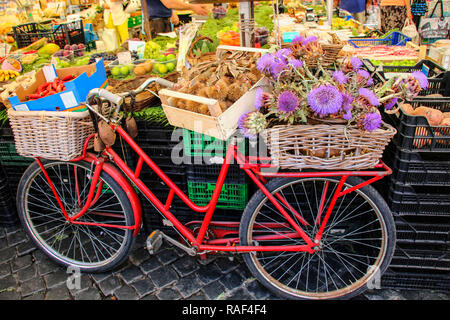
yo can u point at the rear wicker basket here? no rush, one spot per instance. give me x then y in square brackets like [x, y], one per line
[326, 147]
[50, 135]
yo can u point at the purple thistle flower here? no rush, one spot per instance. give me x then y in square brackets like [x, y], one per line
[298, 40]
[252, 123]
[356, 63]
[348, 115]
[282, 54]
[309, 40]
[347, 101]
[362, 75]
[276, 67]
[372, 121]
[287, 101]
[325, 100]
[297, 64]
[370, 82]
[265, 63]
[258, 98]
[421, 78]
[370, 96]
[340, 77]
[390, 103]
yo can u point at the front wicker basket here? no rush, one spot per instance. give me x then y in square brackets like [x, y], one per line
[50, 134]
[326, 147]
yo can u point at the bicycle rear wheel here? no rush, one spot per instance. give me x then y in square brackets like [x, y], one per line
[356, 247]
[89, 247]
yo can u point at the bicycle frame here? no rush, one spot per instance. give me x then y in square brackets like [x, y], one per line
[252, 167]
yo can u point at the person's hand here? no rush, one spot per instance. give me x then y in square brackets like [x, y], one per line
[174, 19]
[200, 9]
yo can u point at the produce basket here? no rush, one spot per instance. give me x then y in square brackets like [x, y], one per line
[393, 39]
[326, 147]
[50, 135]
[205, 57]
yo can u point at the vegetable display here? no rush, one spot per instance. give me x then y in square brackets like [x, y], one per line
[49, 88]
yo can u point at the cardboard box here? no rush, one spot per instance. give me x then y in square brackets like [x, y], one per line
[87, 78]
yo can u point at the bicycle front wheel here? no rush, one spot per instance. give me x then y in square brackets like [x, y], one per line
[356, 247]
[93, 246]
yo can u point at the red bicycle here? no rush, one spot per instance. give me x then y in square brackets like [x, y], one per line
[313, 235]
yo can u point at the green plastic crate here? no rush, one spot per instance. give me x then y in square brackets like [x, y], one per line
[197, 144]
[10, 157]
[134, 21]
[232, 196]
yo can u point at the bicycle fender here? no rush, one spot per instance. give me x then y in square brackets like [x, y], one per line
[120, 178]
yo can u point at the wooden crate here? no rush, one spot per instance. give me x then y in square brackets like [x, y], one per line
[218, 125]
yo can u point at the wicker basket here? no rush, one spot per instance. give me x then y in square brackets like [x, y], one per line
[206, 57]
[49, 134]
[326, 147]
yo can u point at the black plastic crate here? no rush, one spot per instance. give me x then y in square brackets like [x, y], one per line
[62, 34]
[421, 256]
[210, 173]
[434, 69]
[406, 199]
[407, 279]
[416, 134]
[148, 132]
[423, 230]
[421, 168]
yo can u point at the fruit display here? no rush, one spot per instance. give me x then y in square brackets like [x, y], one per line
[6, 75]
[219, 12]
[122, 71]
[261, 36]
[29, 58]
[339, 24]
[143, 68]
[48, 50]
[152, 50]
[74, 50]
[229, 36]
[164, 63]
[24, 80]
[11, 64]
[104, 55]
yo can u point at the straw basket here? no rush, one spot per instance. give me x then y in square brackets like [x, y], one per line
[205, 57]
[326, 147]
[50, 134]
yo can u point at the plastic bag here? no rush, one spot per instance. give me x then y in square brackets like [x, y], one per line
[410, 30]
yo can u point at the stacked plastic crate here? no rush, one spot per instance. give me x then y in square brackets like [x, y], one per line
[163, 144]
[12, 166]
[418, 195]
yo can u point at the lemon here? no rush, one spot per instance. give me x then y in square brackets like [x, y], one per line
[162, 68]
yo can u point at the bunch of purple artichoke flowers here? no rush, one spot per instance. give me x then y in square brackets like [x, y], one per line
[349, 92]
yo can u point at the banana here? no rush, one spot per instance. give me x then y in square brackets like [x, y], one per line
[7, 77]
[2, 77]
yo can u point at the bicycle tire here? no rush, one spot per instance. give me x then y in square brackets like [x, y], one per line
[89, 245]
[268, 270]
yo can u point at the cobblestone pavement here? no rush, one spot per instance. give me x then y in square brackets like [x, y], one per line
[26, 273]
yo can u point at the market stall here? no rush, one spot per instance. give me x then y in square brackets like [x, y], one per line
[356, 117]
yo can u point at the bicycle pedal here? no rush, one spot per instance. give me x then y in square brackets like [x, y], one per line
[154, 241]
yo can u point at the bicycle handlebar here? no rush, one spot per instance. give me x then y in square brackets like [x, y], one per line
[117, 99]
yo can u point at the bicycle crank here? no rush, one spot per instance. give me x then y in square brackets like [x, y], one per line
[154, 242]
